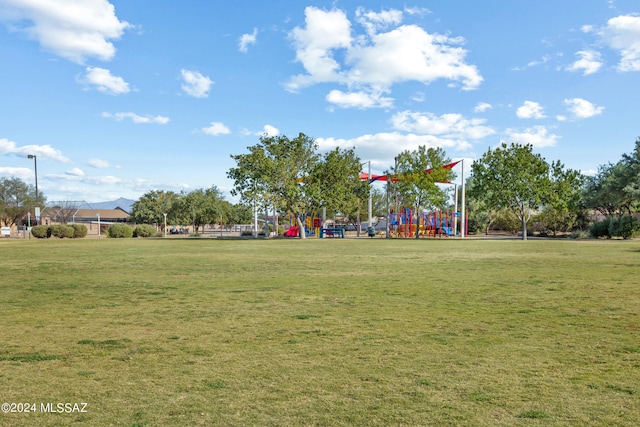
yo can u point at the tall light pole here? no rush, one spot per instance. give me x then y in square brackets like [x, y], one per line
[463, 222]
[370, 209]
[165, 224]
[35, 166]
[369, 187]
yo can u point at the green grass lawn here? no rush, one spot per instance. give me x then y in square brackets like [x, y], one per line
[336, 332]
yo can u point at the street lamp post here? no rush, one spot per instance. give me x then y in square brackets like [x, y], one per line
[35, 167]
[463, 228]
[370, 209]
[369, 188]
[165, 224]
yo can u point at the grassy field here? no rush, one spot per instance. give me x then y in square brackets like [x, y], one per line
[340, 332]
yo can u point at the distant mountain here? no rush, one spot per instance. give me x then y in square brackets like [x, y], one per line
[121, 203]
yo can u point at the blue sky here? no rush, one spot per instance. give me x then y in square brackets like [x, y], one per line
[117, 98]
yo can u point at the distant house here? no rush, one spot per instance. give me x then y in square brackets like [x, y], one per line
[57, 215]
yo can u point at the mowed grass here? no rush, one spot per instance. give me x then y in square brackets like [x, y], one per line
[332, 332]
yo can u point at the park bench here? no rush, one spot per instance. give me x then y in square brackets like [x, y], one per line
[332, 232]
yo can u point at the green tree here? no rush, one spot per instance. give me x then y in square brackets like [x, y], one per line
[340, 188]
[152, 206]
[512, 177]
[417, 186]
[605, 192]
[378, 202]
[481, 216]
[278, 171]
[563, 203]
[202, 206]
[632, 184]
[237, 213]
[17, 198]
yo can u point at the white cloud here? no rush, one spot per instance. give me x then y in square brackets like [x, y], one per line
[270, 131]
[450, 126]
[375, 61]
[376, 21]
[533, 63]
[72, 29]
[104, 81]
[538, 136]
[587, 29]
[247, 39]
[195, 84]
[100, 164]
[409, 53]
[482, 107]
[135, 118]
[40, 151]
[87, 179]
[416, 10]
[581, 108]
[75, 172]
[359, 99]
[622, 34]
[216, 128]
[24, 174]
[382, 146]
[530, 110]
[419, 97]
[324, 32]
[589, 62]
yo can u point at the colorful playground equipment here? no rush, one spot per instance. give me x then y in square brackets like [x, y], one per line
[312, 225]
[429, 224]
[403, 223]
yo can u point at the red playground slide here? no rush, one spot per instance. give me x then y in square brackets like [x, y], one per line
[292, 232]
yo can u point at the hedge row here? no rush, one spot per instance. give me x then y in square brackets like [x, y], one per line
[125, 231]
[73, 231]
[79, 230]
[625, 226]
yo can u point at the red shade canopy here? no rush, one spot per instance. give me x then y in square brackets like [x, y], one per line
[364, 176]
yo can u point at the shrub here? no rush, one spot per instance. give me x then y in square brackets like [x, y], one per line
[61, 231]
[626, 227]
[579, 234]
[600, 229]
[117, 231]
[79, 231]
[144, 230]
[41, 231]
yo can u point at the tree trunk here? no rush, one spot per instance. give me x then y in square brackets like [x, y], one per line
[303, 234]
[524, 229]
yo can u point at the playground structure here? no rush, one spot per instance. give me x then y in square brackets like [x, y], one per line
[429, 224]
[312, 225]
[402, 223]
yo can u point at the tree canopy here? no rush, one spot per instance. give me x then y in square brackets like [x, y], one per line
[341, 190]
[288, 173]
[198, 207]
[512, 177]
[416, 186]
[17, 198]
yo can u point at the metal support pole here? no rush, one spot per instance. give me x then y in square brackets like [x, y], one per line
[455, 209]
[463, 226]
[370, 206]
[165, 224]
